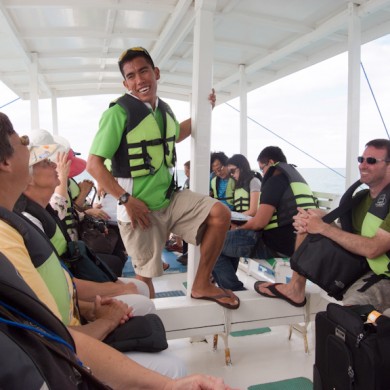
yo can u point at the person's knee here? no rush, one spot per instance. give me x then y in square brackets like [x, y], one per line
[142, 287]
[141, 305]
[219, 216]
[163, 362]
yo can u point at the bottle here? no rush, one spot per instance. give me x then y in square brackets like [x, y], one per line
[373, 316]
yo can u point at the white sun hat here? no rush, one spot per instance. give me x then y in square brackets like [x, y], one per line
[44, 145]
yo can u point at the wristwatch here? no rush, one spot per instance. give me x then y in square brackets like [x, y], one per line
[123, 198]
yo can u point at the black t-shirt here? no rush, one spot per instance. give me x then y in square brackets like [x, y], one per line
[281, 239]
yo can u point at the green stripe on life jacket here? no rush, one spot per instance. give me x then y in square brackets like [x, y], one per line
[229, 189]
[144, 148]
[298, 194]
[375, 216]
[44, 259]
[241, 200]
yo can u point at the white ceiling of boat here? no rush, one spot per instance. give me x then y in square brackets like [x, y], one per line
[75, 43]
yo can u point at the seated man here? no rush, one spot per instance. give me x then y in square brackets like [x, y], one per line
[33, 256]
[270, 232]
[371, 236]
[221, 184]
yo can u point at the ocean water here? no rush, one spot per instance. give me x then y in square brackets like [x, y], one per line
[319, 179]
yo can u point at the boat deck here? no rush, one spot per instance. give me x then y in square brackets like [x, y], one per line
[261, 358]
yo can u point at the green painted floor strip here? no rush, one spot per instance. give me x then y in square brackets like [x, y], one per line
[249, 332]
[287, 384]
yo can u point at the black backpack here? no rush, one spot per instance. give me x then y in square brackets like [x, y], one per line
[36, 348]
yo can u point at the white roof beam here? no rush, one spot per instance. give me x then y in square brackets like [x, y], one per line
[134, 5]
[13, 34]
[170, 27]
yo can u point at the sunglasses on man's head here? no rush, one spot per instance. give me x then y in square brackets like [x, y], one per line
[371, 160]
[139, 48]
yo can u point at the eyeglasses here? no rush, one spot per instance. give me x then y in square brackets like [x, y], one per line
[262, 167]
[233, 171]
[24, 140]
[219, 169]
[137, 49]
[371, 160]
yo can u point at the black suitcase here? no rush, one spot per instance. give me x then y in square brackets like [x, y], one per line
[351, 354]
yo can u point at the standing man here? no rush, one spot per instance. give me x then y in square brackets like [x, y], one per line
[138, 133]
[270, 232]
[370, 238]
[221, 184]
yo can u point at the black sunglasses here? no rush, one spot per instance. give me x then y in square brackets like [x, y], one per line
[371, 160]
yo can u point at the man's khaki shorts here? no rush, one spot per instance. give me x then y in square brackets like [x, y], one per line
[185, 217]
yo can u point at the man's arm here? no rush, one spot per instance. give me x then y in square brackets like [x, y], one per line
[88, 290]
[369, 247]
[136, 209]
[261, 219]
[97, 169]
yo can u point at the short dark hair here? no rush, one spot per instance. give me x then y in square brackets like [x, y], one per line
[220, 156]
[132, 53]
[380, 143]
[187, 164]
[271, 153]
[6, 130]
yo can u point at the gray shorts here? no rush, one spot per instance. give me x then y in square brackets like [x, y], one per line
[378, 295]
[185, 217]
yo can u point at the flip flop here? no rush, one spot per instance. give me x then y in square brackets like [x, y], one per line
[257, 289]
[277, 294]
[226, 294]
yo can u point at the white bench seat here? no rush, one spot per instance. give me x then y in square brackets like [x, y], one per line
[187, 317]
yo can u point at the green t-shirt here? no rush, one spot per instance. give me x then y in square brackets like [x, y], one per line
[151, 189]
[360, 212]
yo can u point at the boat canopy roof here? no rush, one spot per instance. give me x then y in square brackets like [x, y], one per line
[72, 46]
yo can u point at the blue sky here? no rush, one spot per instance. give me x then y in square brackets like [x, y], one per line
[308, 109]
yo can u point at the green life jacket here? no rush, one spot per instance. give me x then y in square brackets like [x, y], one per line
[228, 198]
[376, 214]
[298, 194]
[143, 149]
[241, 200]
[71, 217]
[47, 217]
[44, 259]
[242, 195]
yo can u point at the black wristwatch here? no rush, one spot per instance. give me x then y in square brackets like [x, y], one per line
[123, 198]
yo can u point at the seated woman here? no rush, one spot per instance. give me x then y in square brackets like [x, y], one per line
[70, 201]
[246, 194]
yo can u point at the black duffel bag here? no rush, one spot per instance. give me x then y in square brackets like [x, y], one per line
[323, 261]
[142, 333]
[85, 264]
[327, 264]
